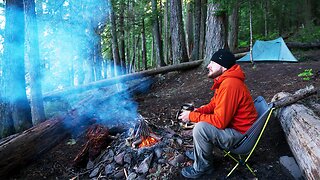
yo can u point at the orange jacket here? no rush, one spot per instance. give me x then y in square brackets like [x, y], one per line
[231, 106]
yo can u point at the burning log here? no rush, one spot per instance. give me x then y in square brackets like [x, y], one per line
[98, 139]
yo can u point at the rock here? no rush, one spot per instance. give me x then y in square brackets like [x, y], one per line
[179, 141]
[109, 157]
[177, 160]
[127, 158]
[145, 164]
[162, 161]
[132, 176]
[119, 158]
[108, 169]
[119, 174]
[95, 172]
[290, 166]
[158, 152]
[90, 164]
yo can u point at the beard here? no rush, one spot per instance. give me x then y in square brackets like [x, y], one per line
[215, 74]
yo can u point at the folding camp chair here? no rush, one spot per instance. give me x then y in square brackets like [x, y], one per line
[245, 146]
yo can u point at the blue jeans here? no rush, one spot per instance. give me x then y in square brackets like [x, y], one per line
[205, 137]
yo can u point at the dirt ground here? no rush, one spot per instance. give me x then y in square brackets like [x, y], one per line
[173, 89]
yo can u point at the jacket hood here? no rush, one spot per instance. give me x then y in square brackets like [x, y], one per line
[234, 72]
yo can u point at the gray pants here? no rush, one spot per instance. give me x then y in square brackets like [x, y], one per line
[205, 136]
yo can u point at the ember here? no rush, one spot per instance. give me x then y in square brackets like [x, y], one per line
[147, 142]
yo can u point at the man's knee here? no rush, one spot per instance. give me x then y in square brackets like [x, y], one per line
[201, 129]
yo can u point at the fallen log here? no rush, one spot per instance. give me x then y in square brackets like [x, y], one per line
[299, 45]
[19, 149]
[292, 98]
[124, 78]
[302, 130]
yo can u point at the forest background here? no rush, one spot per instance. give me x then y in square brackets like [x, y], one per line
[50, 45]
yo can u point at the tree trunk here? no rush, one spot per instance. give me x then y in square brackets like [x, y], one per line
[32, 56]
[234, 27]
[122, 43]
[15, 109]
[166, 41]
[115, 47]
[216, 31]
[144, 48]
[178, 41]
[98, 58]
[203, 28]
[189, 26]
[266, 13]
[302, 129]
[251, 38]
[197, 16]
[157, 36]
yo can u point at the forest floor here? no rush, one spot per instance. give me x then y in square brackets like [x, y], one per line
[171, 90]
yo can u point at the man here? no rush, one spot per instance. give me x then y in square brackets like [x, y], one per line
[225, 119]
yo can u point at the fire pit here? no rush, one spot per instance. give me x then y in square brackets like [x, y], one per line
[145, 151]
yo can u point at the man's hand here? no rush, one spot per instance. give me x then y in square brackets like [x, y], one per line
[184, 116]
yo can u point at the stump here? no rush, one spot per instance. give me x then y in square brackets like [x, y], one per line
[302, 129]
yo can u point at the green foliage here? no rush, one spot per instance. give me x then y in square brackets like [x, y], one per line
[307, 34]
[306, 74]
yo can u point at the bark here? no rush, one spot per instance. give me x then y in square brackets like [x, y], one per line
[157, 36]
[115, 47]
[300, 45]
[134, 51]
[234, 27]
[202, 28]
[266, 13]
[124, 78]
[189, 26]
[216, 31]
[307, 12]
[18, 150]
[166, 41]
[302, 129]
[15, 109]
[196, 40]
[251, 59]
[98, 58]
[122, 42]
[32, 56]
[144, 48]
[179, 50]
[290, 99]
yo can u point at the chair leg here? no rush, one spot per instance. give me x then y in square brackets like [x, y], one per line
[232, 170]
[250, 169]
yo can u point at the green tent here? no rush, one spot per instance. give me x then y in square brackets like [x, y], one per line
[274, 50]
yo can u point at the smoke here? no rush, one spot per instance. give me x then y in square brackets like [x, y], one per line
[68, 32]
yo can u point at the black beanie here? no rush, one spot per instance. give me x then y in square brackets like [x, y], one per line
[224, 57]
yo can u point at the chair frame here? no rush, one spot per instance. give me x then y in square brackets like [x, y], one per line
[243, 159]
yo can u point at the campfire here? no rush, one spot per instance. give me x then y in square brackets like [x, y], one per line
[142, 135]
[144, 151]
